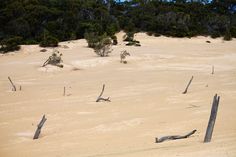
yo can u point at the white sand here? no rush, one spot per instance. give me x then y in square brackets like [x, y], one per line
[146, 100]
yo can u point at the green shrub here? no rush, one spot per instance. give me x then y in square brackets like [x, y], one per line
[92, 39]
[49, 41]
[129, 36]
[10, 44]
[233, 31]
[215, 35]
[100, 43]
[133, 43]
[227, 36]
[103, 47]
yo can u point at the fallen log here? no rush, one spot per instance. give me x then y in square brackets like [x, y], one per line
[174, 137]
[186, 89]
[212, 119]
[39, 127]
[100, 98]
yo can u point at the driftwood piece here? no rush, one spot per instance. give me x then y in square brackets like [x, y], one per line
[174, 137]
[100, 98]
[212, 119]
[186, 89]
[213, 70]
[40, 125]
[13, 86]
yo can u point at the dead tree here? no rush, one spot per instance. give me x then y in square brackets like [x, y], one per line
[64, 91]
[212, 119]
[100, 98]
[175, 137]
[39, 127]
[213, 70]
[186, 89]
[13, 86]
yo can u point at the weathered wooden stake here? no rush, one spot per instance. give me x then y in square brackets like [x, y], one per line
[64, 91]
[212, 119]
[186, 89]
[20, 88]
[40, 125]
[100, 96]
[13, 86]
[213, 70]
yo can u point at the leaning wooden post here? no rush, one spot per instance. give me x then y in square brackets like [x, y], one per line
[40, 125]
[14, 87]
[212, 119]
[213, 70]
[64, 91]
[186, 89]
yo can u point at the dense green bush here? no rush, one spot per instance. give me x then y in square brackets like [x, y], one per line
[49, 41]
[227, 36]
[70, 19]
[10, 44]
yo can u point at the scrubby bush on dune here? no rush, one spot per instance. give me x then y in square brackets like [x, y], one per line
[100, 43]
[129, 37]
[49, 41]
[10, 44]
[103, 47]
[92, 39]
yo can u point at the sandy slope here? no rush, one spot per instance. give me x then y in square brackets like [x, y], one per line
[145, 93]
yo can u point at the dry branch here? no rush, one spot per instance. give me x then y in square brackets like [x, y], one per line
[175, 137]
[186, 89]
[212, 118]
[40, 125]
[13, 86]
[46, 62]
[100, 96]
[213, 70]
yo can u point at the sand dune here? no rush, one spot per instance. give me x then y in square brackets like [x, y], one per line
[146, 100]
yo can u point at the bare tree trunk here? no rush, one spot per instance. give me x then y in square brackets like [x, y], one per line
[212, 119]
[186, 89]
[40, 125]
[13, 86]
